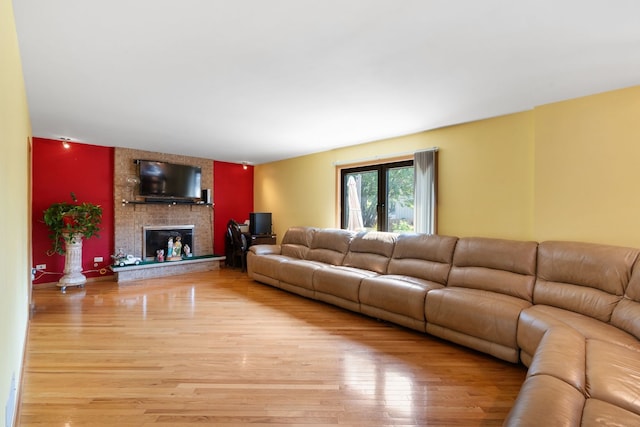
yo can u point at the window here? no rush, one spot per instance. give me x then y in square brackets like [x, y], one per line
[378, 197]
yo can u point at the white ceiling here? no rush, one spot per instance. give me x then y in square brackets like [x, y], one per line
[262, 80]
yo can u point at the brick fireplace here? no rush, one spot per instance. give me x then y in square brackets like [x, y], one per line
[130, 219]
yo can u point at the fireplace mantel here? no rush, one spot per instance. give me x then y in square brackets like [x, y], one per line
[164, 202]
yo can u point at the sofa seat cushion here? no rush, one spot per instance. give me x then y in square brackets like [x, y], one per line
[299, 272]
[599, 413]
[339, 281]
[398, 294]
[545, 400]
[536, 320]
[613, 374]
[489, 316]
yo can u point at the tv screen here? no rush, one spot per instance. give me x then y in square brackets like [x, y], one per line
[162, 179]
[260, 223]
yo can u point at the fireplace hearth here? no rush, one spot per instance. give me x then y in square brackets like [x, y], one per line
[156, 237]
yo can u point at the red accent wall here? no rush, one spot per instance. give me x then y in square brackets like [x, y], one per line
[86, 170]
[232, 197]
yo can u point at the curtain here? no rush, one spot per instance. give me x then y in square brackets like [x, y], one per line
[425, 174]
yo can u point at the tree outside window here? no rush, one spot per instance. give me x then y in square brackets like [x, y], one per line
[385, 194]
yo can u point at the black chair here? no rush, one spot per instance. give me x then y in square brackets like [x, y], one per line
[228, 244]
[236, 245]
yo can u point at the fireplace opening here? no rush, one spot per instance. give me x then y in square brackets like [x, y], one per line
[157, 238]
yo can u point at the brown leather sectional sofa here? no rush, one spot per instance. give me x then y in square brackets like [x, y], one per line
[568, 311]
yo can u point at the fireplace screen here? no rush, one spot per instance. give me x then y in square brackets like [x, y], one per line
[157, 237]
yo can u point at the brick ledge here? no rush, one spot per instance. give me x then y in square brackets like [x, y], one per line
[167, 268]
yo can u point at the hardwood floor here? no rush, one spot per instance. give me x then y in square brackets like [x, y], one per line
[218, 349]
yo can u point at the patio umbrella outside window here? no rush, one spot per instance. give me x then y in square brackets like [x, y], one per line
[355, 210]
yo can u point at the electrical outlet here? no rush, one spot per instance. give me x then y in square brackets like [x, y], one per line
[98, 259]
[41, 267]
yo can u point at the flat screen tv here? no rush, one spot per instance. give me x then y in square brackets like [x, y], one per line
[169, 180]
[260, 223]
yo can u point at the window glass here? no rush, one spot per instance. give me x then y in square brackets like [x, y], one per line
[378, 197]
[400, 199]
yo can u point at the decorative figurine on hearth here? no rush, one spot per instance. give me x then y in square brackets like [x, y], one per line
[160, 255]
[119, 254]
[187, 250]
[170, 247]
[177, 247]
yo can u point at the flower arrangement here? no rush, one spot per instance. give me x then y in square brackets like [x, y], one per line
[68, 220]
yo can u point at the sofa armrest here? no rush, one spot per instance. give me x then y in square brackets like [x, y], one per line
[562, 354]
[265, 249]
[546, 401]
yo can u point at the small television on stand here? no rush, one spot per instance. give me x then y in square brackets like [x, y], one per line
[260, 223]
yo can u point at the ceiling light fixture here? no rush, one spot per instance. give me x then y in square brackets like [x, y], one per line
[65, 142]
[244, 165]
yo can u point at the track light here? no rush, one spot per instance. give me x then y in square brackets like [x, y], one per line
[244, 165]
[65, 142]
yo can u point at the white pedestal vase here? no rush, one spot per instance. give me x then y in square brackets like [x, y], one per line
[72, 263]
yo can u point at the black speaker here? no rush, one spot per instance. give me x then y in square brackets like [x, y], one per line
[206, 196]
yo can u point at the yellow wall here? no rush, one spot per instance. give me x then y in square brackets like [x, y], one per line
[568, 171]
[486, 177]
[297, 192]
[485, 189]
[588, 169]
[15, 131]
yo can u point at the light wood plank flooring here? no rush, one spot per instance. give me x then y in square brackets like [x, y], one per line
[218, 349]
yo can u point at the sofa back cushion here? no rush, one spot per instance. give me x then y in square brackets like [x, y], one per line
[296, 242]
[330, 245]
[497, 265]
[371, 250]
[423, 256]
[585, 278]
[626, 315]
